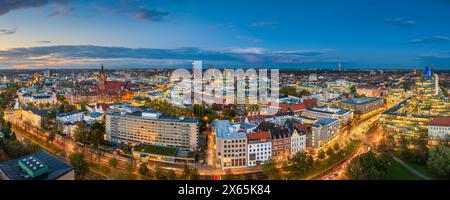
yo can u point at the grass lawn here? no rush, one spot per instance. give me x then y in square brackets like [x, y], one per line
[398, 172]
[422, 168]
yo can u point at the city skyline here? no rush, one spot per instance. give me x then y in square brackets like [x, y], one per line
[161, 34]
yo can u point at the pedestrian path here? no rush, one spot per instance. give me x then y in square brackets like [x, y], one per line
[411, 169]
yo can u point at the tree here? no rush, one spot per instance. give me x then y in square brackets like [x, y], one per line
[113, 162]
[97, 136]
[228, 175]
[171, 175]
[186, 172]
[254, 177]
[82, 133]
[80, 165]
[299, 165]
[353, 89]
[143, 169]
[194, 174]
[330, 152]
[368, 166]
[321, 154]
[336, 147]
[159, 174]
[439, 160]
[271, 171]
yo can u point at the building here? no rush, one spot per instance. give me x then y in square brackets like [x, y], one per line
[340, 86]
[362, 105]
[93, 117]
[70, 117]
[323, 131]
[281, 143]
[231, 145]
[439, 129]
[344, 116]
[395, 95]
[298, 141]
[369, 91]
[38, 166]
[33, 117]
[103, 91]
[259, 148]
[145, 153]
[149, 127]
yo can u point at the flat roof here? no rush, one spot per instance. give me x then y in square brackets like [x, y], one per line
[360, 100]
[154, 149]
[56, 167]
[222, 130]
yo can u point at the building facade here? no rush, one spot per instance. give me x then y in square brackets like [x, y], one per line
[231, 145]
[148, 127]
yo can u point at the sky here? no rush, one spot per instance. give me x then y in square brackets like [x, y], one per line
[304, 34]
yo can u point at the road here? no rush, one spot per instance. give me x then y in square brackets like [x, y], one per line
[369, 140]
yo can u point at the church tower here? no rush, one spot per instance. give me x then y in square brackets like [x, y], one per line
[102, 81]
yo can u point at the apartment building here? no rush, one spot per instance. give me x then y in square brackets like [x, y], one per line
[231, 145]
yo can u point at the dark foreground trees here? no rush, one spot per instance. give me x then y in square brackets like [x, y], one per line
[439, 161]
[368, 166]
[80, 165]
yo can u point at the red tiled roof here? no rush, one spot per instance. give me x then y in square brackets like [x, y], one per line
[263, 135]
[440, 121]
[114, 85]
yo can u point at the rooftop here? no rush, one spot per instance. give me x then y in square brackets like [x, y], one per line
[360, 100]
[158, 150]
[55, 167]
[222, 128]
[69, 113]
[440, 121]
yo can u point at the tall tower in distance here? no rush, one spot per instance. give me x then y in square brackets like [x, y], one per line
[102, 80]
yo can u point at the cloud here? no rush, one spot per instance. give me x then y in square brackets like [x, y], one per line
[441, 60]
[263, 24]
[61, 10]
[431, 40]
[79, 55]
[8, 31]
[149, 15]
[249, 38]
[44, 41]
[400, 22]
[7, 6]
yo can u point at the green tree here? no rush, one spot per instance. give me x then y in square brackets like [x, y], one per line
[194, 174]
[159, 174]
[353, 89]
[321, 154]
[186, 172]
[368, 166]
[336, 147]
[330, 152]
[113, 162]
[299, 165]
[82, 133]
[143, 169]
[439, 160]
[171, 175]
[270, 169]
[79, 163]
[254, 177]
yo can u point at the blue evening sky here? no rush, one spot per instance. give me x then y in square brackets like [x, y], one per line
[247, 33]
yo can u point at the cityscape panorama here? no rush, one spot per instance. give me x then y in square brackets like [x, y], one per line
[212, 90]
